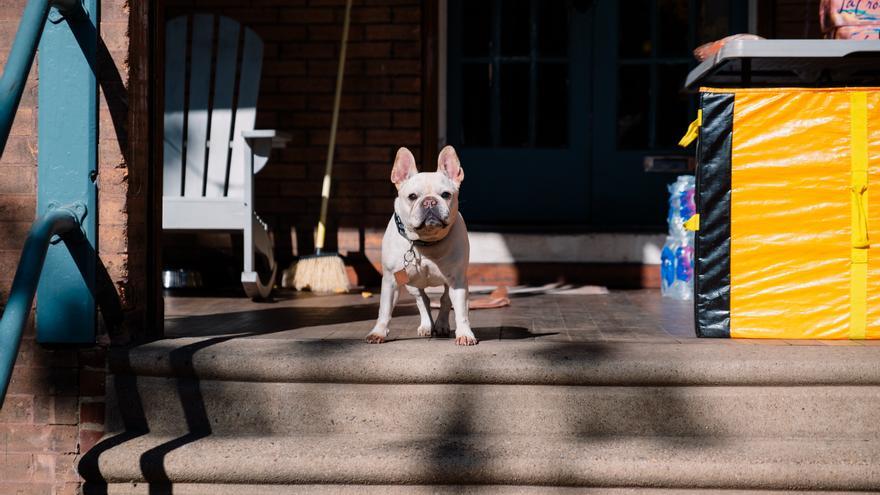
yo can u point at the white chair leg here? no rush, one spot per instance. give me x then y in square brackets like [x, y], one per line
[258, 278]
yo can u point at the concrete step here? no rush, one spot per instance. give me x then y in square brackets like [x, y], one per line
[566, 460]
[181, 405]
[521, 362]
[213, 489]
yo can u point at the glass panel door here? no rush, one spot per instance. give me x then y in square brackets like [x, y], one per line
[518, 109]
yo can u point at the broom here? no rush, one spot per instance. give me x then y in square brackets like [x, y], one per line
[325, 271]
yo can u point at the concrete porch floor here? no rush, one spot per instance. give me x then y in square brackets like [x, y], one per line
[641, 316]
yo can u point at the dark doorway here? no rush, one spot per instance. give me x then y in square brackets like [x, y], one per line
[553, 106]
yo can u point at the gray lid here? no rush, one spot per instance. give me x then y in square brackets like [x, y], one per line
[747, 63]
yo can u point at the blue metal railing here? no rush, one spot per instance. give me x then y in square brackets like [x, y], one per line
[65, 222]
[18, 65]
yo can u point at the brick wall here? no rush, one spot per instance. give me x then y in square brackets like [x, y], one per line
[789, 19]
[380, 112]
[55, 407]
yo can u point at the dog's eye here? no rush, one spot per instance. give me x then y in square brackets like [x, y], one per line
[446, 195]
[413, 197]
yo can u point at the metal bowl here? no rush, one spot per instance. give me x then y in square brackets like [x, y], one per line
[181, 279]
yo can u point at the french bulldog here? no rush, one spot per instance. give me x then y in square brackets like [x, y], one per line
[426, 245]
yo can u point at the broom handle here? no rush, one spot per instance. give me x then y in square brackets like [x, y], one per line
[325, 188]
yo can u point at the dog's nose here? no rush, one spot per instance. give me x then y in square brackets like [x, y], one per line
[429, 202]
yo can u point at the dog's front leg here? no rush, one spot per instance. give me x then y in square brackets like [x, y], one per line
[441, 325]
[387, 301]
[463, 333]
[423, 302]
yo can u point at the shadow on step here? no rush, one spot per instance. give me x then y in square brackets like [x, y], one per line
[664, 414]
[273, 320]
[152, 462]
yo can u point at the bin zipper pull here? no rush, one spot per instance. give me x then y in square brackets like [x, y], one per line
[693, 131]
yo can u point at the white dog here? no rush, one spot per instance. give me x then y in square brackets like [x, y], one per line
[426, 245]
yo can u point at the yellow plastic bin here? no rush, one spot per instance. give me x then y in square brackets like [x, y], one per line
[787, 155]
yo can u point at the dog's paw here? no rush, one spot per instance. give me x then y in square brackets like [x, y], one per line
[375, 338]
[465, 338]
[441, 328]
[423, 331]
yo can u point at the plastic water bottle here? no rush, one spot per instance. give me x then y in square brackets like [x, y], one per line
[667, 266]
[681, 204]
[677, 256]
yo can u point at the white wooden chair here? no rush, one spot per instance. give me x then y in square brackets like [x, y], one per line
[211, 150]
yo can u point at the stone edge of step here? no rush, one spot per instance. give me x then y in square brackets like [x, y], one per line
[500, 362]
[770, 464]
[135, 488]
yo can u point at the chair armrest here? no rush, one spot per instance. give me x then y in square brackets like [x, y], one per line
[279, 139]
[260, 143]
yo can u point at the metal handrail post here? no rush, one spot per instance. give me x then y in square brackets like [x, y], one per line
[60, 221]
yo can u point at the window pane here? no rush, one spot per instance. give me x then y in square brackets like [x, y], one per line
[552, 28]
[672, 106]
[516, 17]
[633, 106]
[475, 109]
[635, 29]
[514, 82]
[476, 28]
[551, 122]
[673, 27]
[714, 20]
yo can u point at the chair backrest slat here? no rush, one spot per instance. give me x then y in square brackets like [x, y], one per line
[201, 163]
[197, 115]
[246, 111]
[222, 111]
[175, 85]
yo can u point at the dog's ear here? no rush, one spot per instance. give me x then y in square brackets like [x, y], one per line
[404, 167]
[448, 164]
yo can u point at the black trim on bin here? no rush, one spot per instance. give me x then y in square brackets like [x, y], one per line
[712, 255]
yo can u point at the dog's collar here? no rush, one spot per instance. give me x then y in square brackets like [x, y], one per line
[402, 231]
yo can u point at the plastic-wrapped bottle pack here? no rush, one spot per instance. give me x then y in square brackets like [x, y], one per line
[677, 257]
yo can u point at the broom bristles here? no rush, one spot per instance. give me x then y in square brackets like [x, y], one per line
[324, 273]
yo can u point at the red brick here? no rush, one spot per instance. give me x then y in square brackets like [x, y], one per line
[369, 50]
[395, 102]
[370, 15]
[92, 413]
[393, 32]
[21, 150]
[72, 488]
[88, 439]
[285, 68]
[367, 85]
[407, 120]
[405, 49]
[343, 137]
[411, 84]
[15, 467]
[52, 410]
[334, 33]
[17, 409]
[309, 16]
[407, 14]
[393, 137]
[42, 381]
[38, 438]
[395, 67]
[91, 382]
[26, 488]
